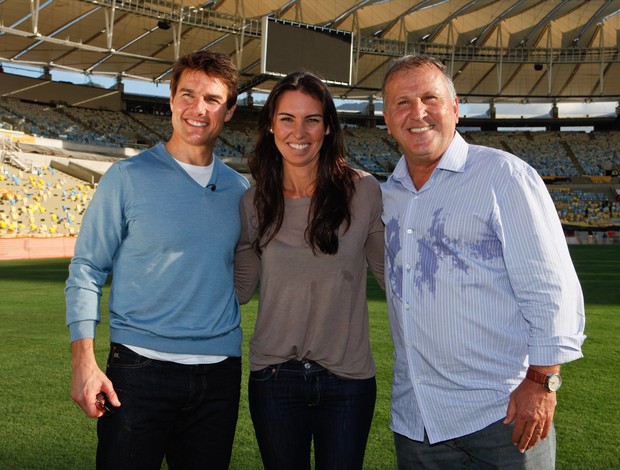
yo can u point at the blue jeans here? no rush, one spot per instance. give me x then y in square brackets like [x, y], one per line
[297, 401]
[489, 448]
[185, 413]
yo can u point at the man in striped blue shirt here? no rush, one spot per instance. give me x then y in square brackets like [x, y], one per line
[483, 299]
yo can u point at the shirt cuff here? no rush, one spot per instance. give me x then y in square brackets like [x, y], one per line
[553, 354]
[82, 329]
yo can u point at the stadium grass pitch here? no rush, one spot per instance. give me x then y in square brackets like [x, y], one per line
[43, 429]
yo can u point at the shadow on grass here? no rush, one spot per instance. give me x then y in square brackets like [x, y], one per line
[598, 267]
[49, 270]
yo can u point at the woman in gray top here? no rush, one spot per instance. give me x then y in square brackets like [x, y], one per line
[309, 228]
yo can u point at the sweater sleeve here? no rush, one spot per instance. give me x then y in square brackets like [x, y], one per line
[99, 239]
[247, 262]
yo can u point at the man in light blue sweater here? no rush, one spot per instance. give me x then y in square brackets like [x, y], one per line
[165, 223]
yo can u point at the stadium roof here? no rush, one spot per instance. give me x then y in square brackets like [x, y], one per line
[495, 49]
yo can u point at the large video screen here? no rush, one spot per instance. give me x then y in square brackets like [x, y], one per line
[288, 47]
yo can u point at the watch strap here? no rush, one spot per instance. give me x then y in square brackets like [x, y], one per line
[536, 376]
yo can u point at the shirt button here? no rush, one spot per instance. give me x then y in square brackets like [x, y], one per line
[408, 266]
[409, 231]
[407, 306]
[418, 381]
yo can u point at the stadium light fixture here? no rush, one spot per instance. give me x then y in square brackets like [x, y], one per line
[163, 24]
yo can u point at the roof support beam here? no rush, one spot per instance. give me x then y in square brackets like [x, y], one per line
[239, 39]
[550, 66]
[177, 30]
[356, 51]
[195, 17]
[109, 24]
[78, 45]
[500, 62]
[251, 27]
[602, 70]
[34, 11]
[403, 34]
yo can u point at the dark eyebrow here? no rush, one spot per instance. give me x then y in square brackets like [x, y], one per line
[305, 117]
[191, 90]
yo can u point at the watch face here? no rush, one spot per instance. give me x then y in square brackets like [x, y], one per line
[553, 383]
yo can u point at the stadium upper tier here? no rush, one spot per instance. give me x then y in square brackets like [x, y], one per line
[553, 154]
[38, 199]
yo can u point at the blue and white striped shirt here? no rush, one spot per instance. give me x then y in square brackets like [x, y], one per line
[479, 283]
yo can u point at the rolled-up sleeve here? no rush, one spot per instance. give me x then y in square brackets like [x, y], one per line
[541, 271]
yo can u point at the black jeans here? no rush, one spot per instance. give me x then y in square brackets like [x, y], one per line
[296, 402]
[185, 413]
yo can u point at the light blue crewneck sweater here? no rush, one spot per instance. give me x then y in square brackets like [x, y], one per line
[169, 243]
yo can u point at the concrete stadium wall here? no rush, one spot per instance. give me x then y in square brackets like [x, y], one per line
[99, 149]
[77, 171]
[36, 248]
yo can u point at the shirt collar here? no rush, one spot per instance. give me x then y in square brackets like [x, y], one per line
[453, 159]
[455, 156]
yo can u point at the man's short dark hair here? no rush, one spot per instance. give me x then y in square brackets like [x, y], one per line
[215, 64]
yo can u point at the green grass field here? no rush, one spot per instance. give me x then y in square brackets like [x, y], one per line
[41, 428]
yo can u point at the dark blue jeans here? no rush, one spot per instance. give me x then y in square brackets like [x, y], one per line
[185, 413]
[297, 401]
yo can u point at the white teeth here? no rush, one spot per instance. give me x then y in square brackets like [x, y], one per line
[197, 123]
[299, 146]
[419, 130]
